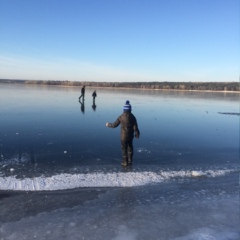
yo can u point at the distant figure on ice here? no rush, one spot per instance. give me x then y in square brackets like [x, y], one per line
[82, 93]
[129, 126]
[94, 95]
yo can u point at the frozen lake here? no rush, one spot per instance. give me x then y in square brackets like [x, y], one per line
[61, 174]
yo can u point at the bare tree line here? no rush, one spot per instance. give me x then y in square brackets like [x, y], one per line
[190, 86]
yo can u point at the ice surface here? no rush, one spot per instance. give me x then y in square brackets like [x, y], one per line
[184, 185]
[210, 234]
[136, 214]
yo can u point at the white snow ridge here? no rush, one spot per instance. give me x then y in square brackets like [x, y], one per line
[128, 179]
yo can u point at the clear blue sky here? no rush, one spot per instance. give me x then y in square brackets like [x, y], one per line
[120, 40]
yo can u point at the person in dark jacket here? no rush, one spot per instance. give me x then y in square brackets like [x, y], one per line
[94, 95]
[82, 93]
[129, 126]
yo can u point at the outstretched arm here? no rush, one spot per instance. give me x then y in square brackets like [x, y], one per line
[113, 125]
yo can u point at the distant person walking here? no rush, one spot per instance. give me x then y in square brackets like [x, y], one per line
[82, 93]
[129, 126]
[94, 95]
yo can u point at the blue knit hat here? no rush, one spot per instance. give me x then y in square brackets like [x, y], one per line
[127, 106]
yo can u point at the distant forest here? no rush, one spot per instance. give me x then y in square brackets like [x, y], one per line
[189, 86]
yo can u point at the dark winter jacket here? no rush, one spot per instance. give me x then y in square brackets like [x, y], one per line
[129, 126]
[83, 90]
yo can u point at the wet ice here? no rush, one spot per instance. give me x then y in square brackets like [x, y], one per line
[136, 213]
[183, 183]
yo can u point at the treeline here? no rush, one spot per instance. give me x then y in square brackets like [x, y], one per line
[190, 86]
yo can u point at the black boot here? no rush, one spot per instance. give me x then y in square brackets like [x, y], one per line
[124, 161]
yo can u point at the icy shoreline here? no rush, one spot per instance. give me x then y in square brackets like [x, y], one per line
[178, 210]
[128, 179]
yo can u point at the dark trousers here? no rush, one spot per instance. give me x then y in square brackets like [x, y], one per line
[82, 96]
[127, 147]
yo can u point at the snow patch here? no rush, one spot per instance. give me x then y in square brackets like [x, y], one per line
[120, 179]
